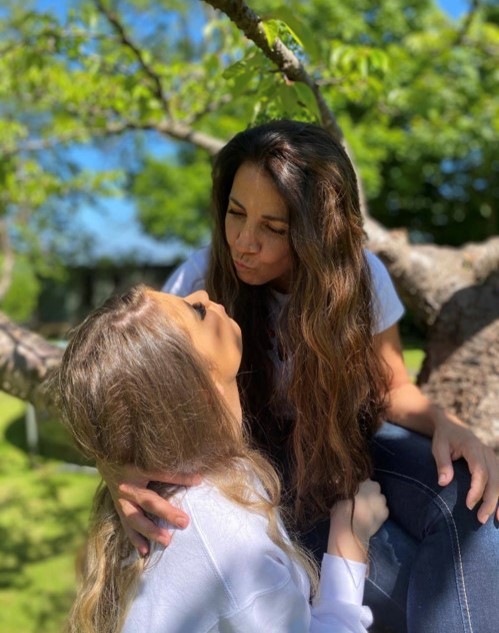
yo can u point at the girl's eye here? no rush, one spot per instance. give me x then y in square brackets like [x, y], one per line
[237, 214]
[200, 309]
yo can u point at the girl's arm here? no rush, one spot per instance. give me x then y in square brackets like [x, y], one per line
[451, 438]
[339, 603]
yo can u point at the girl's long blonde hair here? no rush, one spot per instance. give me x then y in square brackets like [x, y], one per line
[133, 390]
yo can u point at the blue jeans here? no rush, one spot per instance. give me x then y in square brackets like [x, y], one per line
[433, 568]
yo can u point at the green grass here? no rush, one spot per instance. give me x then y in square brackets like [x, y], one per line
[44, 512]
[413, 357]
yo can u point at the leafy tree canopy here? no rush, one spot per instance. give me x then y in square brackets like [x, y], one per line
[414, 92]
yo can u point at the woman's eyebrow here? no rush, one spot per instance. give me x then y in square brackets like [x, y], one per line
[266, 216]
[235, 201]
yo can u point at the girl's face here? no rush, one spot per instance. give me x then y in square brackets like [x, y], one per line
[215, 336]
[257, 230]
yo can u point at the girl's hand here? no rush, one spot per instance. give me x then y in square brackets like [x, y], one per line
[369, 513]
[132, 498]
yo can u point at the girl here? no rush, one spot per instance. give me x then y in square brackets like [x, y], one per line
[150, 379]
[321, 363]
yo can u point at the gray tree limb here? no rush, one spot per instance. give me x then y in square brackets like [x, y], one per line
[25, 360]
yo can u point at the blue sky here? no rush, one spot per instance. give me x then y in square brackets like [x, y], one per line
[454, 8]
[112, 225]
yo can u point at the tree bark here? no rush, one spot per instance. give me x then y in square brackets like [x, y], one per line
[25, 360]
[454, 294]
[461, 368]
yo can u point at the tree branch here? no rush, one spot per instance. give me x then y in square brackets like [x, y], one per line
[461, 35]
[213, 106]
[176, 130]
[285, 60]
[125, 39]
[25, 359]
[425, 288]
[483, 257]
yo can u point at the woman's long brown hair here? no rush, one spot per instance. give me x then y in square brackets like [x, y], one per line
[132, 390]
[338, 385]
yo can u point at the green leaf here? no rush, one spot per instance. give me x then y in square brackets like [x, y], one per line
[234, 70]
[307, 97]
[298, 30]
[241, 81]
[288, 96]
[364, 66]
[271, 30]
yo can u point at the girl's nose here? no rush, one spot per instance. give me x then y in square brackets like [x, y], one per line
[199, 295]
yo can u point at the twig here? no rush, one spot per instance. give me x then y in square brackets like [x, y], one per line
[125, 39]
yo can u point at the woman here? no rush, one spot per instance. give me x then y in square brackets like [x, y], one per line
[141, 383]
[322, 362]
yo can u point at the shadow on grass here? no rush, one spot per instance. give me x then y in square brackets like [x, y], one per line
[39, 523]
[54, 441]
[53, 603]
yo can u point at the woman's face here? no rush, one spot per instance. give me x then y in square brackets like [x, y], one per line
[215, 336]
[257, 230]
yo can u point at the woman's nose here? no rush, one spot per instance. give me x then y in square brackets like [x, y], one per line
[246, 240]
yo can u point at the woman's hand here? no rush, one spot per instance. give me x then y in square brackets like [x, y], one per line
[132, 498]
[349, 536]
[451, 438]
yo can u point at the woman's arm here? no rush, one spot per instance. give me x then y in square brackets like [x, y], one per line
[451, 438]
[132, 498]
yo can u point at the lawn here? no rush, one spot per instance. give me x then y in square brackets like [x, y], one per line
[413, 357]
[44, 512]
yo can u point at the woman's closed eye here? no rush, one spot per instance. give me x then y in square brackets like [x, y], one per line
[274, 229]
[200, 309]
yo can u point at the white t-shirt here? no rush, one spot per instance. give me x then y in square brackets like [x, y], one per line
[224, 574]
[388, 309]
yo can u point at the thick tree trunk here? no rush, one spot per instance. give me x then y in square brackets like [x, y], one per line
[461, 368]
[454, 294]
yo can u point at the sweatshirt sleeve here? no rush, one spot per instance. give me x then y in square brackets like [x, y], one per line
[189, 276]
[338, 605]
[284, 607]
